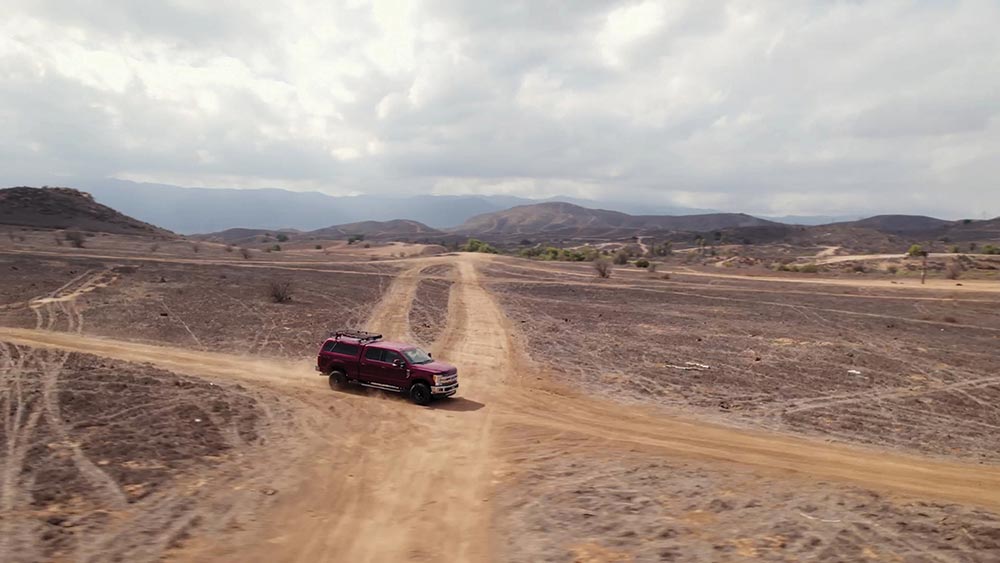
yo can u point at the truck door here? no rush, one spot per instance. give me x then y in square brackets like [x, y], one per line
[377, 367]
[370, 365]
[395, 369]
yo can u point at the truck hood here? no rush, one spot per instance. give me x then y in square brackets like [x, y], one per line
[436, 367]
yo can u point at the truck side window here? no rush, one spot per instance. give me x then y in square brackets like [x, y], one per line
[374, 354]
[391, 356]
[329, 346]
[345, 348]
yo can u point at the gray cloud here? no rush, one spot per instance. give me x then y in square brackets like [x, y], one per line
[766, 107]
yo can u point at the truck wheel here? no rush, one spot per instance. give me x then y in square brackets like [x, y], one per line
[420, 393]
[337, 380]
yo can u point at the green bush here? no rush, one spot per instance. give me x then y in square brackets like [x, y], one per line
[476, 245]
[282, 237]
[915, 250]
[642, 263]
[991, 249]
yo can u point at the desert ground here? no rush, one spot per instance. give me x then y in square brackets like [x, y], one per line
[158, 405]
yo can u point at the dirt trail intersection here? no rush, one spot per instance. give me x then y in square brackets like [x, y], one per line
[418, 483]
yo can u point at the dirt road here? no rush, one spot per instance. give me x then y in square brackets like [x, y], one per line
[416, 483]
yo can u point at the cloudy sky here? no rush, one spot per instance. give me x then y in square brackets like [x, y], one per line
[764, 106]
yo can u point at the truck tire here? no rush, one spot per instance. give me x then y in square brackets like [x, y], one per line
[337, 380]
[420, 393]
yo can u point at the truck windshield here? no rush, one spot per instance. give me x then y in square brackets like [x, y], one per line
[417, 356]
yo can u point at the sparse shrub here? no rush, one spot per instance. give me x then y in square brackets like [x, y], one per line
[280, 291]
[892, 269]
[621, 258]
[953, 270]
[355, 238]
[953, 249]
[319, 247]
[603, 268]
[859, 268]
[229, 248]
[665, 249]
[665, 276]
[196, 247]
[642, 263]
[154, 247]
[245, 253]
[809, 268]
[76, 238]
[951, 320]
[915, 250]
[991, 249]
[59, 240]
[368, 245]
[282, 237]
[275, 248]
[652, 267]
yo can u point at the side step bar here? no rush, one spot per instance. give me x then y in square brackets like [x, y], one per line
[380, 386]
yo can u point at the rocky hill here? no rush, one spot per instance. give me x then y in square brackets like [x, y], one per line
[398, 229]
[566, 220]
[66, 208]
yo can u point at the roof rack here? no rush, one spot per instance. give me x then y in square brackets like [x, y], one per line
[359, 335]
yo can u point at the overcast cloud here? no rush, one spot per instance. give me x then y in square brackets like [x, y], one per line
[764, 106]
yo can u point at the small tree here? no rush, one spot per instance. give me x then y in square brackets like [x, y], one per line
[280, 291]
[915, 251]
[603, 267]
[76, 238]
[282, 237]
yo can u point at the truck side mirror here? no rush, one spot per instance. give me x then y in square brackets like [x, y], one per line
[397, 363]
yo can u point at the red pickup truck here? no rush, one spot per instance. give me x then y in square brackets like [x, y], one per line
[363, 358]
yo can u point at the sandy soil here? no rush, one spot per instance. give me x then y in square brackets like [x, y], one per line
[875, 368]
[577, 502]
[369, 477]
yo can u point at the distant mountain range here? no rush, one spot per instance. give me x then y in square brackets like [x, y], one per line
[547, 222]
[207, 210]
